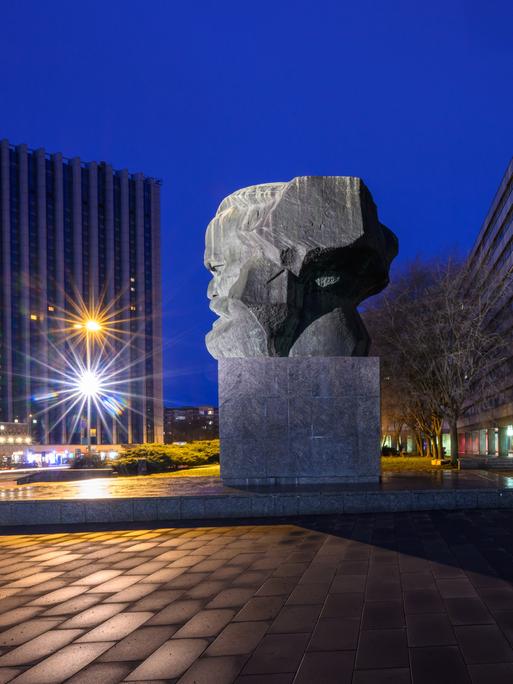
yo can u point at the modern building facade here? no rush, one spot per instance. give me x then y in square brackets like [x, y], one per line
[78, 230]
[190, 422]
[487, 428]
[15, 438]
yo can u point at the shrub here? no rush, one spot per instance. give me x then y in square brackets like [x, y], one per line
[86, 461]
[164, 457]
[389, 451]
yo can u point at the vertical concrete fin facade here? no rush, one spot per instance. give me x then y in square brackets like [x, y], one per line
[156, 315]
[27, 327]
[56, 277]
[73, 232]
[93, 234]
[77, 264]
[5, 292]
[140, 298]
[42, 273]
[125, 300]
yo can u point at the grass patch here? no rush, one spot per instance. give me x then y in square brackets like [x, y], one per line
[390, 464]
[402, 464]
[200, 471]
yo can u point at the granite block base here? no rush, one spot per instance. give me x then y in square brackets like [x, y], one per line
[287, 420]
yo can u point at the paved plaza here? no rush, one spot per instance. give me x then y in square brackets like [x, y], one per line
[358, 599]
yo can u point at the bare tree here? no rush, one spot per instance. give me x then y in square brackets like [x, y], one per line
[436, 329]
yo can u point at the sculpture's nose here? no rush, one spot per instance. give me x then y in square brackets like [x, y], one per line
[212, 289]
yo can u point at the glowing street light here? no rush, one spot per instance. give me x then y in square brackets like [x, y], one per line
[92, 326]
[88, 385]
[95, 369]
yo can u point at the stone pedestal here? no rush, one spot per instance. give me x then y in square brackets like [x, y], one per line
[286, 420]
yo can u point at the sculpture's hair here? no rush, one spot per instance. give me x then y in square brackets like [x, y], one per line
[288, 223]
[254, 203]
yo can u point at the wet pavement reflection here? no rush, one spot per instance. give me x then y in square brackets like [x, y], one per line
[140, 487]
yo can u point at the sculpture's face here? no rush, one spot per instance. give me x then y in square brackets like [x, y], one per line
[224, 259]
[287, 276]
[236, 332]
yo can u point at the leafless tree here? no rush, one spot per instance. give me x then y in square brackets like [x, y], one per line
[436, 330]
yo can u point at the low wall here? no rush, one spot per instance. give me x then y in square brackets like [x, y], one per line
[244, 506]
[64, 475]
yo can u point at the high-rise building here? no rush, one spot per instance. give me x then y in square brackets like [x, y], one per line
[74, 231]
[487, 427]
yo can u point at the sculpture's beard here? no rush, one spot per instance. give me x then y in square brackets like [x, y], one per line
[251, 331]
[237, 332]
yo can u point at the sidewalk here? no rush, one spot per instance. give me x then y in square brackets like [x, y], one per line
[368, 599]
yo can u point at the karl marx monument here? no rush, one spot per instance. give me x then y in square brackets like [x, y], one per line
[298, 396]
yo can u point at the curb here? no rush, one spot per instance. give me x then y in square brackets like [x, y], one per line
[245, 505]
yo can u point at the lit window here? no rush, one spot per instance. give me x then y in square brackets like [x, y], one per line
[18, 440]
[15, 420]
[133, 308]
[2, 427]
[34, 420]
[51, 308]
[132, 280]
[33, 317]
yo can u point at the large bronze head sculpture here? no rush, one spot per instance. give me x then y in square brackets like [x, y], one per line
[290, 263]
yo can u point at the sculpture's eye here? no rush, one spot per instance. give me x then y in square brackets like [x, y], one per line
[327, 280]
[215, 268]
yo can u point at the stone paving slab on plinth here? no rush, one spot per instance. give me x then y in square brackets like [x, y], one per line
[205, 498]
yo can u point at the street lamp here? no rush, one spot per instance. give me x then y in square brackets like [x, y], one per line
[89, 386]
[92, 326]
[89, 383]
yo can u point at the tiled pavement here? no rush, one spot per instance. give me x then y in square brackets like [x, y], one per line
[364, 599]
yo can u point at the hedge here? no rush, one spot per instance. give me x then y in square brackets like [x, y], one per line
[164, 457]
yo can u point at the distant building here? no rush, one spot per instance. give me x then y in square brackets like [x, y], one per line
[14, 437]
[487, 427]
[190, 422]
[68, 227]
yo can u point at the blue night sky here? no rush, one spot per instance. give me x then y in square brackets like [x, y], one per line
[413, 96]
